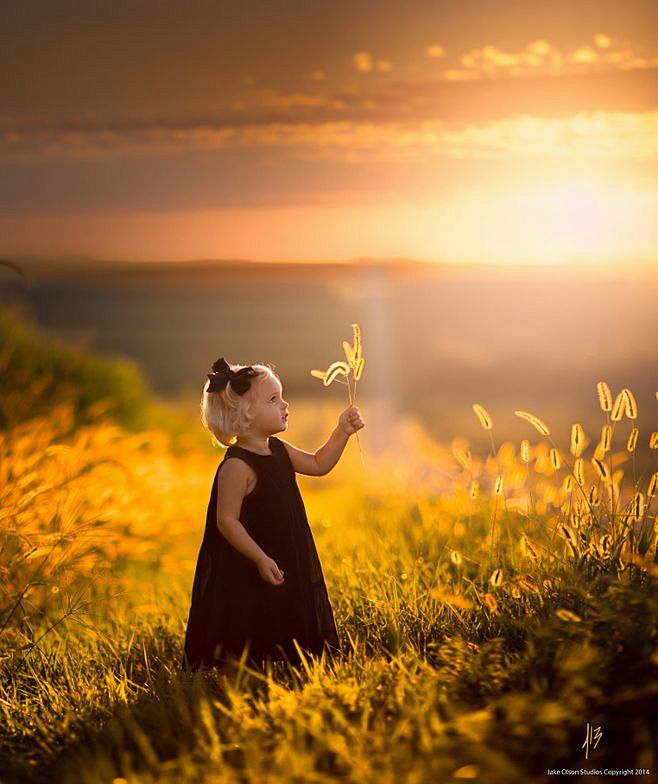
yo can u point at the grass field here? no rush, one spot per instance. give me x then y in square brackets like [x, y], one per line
[495, 601]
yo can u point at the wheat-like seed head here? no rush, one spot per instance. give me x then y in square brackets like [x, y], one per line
[577, 439]
[638, 507]
[528, 549]
[602, 468]
[578, 471]
[606, 438]
[593, 496]
[568, 534]
[358, 370]
[462, 457]
[483, 415]
[555, 458]
[599, 451]
[356, 329]
[499, 485]
[630, 404]
[355, 362]
[491, 602]
[496, 578]
[618, 407]
[605, 396]
[349, 354]
[603, 545]
[632, 440]
[528, 586]
[567, 615]
[454, 600]
[567, 485]
[534, 421]
[456, 558]
[334, 370]
[653, 440]
[525, 450]
[653, 484]
[475, 489]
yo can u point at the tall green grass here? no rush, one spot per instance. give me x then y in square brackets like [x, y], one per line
[37, 373]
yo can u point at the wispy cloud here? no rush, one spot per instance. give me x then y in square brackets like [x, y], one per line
[498, 103]
[363, 61]
[434, 50]
[542, 57]
[602, 135]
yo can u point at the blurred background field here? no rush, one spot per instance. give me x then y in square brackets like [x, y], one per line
[490, 607]
[438, 337]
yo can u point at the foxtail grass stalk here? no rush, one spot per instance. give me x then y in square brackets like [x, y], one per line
[352, 398]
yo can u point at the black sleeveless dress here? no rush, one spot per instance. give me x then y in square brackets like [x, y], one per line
[231, 603]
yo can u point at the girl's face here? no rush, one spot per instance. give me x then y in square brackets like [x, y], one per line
[269, 409]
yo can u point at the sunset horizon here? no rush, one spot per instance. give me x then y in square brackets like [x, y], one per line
[525, 135]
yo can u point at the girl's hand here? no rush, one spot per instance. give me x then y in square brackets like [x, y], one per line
[269, 571]
[350, 420]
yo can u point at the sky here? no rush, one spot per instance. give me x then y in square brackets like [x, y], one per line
[478, 131]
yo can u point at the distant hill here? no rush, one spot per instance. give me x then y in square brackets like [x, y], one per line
[436, 337]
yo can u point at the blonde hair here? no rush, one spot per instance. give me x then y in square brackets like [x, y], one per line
[226, 414]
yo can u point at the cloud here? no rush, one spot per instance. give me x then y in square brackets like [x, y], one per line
[362, 61]
[277, 99]
[541, 57]
[463, 115]
[457, 75]
[586, 54]
[435, 50]
[602, 135]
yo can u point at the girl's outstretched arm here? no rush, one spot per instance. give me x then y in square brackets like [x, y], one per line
[322, 461]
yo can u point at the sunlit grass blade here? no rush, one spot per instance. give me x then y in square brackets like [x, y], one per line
[483, 416]
[605, 396]
[618, 407]
[534, 421]
[630, 406]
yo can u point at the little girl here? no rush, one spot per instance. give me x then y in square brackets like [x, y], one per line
[258, 580]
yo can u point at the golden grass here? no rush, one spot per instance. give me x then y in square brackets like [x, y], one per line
[541, 428]
[629, 403]
[605, 396]
[483, 416]
[438, 566]
[619, 407]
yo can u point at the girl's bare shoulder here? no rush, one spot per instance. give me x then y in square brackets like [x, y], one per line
[236, 473]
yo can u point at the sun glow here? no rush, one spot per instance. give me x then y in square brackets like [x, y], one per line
[559, 219]
[566, 219]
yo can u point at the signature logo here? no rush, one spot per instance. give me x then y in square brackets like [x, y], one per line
[594, 734]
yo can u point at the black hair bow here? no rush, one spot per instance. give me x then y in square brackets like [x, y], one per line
[222, 374]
